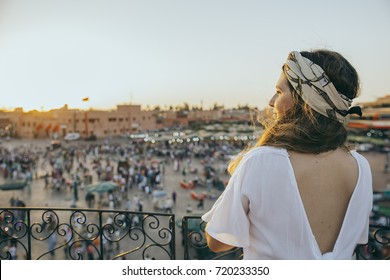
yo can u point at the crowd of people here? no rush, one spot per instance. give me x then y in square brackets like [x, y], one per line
[136, 167]
[130, 164]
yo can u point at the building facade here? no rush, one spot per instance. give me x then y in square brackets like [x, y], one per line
[123, 121]
[58, 122]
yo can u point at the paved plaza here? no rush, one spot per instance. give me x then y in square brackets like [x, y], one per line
[37, 196]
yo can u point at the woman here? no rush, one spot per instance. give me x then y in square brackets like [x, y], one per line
[299, 193]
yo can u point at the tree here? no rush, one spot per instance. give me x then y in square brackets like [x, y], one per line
[186, 107]
[216, 107]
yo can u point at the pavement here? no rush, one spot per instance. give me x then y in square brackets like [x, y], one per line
[37, 196]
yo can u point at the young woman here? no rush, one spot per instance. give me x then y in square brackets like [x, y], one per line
[299, 193]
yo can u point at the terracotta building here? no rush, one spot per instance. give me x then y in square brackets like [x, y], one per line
[33, 124]
[124, 120]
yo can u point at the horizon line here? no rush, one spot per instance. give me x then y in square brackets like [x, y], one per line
[143, 107]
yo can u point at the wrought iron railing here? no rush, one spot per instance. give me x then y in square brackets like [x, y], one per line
[195, 246]
[46, 233]
[42, 233]
[195, 243]
[378, 246]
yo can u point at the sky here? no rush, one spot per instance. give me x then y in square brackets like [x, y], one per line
[171, 52]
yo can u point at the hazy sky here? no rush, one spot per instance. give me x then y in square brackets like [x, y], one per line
[165, 52]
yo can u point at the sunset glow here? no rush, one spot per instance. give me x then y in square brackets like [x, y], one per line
[165, 53]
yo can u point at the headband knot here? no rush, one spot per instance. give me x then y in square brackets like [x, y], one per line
[355, 110]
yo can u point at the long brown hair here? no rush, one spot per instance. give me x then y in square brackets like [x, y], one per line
[302, 129]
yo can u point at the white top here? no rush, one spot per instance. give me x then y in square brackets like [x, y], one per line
[261, 211]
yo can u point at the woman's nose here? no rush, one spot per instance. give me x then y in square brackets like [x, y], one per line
[272, 101]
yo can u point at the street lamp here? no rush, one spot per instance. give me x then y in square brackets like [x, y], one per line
[86, 99]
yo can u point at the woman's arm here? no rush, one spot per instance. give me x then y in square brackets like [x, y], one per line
[215, 245]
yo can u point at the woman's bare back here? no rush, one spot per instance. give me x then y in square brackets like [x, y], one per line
[326, 182]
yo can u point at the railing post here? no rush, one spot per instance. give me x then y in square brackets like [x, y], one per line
[101, 234]
[173, 237]
[184, 226]
[28, 234]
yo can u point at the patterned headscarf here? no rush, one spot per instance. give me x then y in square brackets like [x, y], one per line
[311, 82]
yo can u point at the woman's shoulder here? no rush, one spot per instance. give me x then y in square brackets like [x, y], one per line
[259, 157]
[266, 150]
[360, 158]
[264, 155]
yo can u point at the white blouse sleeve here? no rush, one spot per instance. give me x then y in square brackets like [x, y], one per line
[228, 220]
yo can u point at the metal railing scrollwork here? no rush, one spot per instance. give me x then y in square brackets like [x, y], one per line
[195, 243]
[80, 234]
[41, 233]
[378, 246]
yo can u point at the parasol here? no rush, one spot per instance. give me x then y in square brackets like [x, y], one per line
[102, 187]
[158, 194]
[13, 185]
